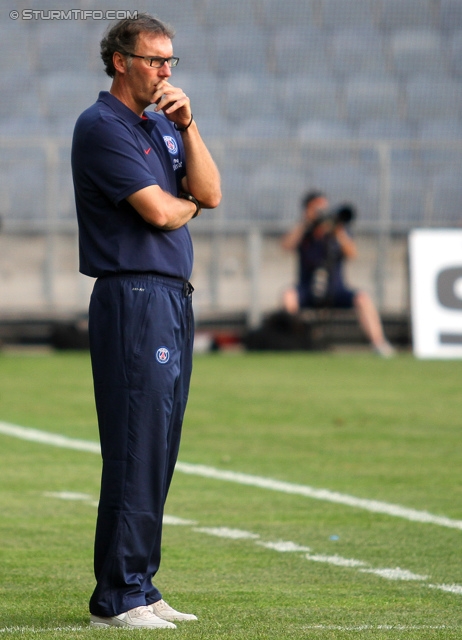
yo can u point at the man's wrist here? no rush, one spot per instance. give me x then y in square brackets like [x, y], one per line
[191, 198]
[186, 127]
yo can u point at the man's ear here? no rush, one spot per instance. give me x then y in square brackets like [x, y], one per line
[120, 62]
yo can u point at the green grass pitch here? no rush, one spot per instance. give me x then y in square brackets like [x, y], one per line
[354, 424]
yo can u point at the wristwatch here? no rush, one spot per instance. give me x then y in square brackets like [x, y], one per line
[191, 198]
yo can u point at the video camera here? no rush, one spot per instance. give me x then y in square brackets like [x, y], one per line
[341, 214]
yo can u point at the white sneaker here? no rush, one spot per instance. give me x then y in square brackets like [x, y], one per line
[138, 618]
[166, 612]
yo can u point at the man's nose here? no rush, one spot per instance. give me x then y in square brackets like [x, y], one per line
[165, 70]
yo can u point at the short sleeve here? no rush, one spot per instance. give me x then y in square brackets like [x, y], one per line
[113, 159]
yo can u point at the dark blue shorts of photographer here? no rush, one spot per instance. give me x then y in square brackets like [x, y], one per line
[338, 298]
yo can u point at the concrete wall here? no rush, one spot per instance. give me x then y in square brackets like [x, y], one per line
[40, 275]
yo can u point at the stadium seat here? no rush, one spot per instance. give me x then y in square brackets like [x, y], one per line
[203, 89]
[352, 183]
[67, 95]
[64, 46]
[313, 73]
[339, 14]
[55, 4]
[247, 95]
[181, 14]
[409, 193]
[366, 98]
[212, 125]
[93, 36]
[63, 127]
[456, 54]
[105, 5]
[242, 155]
[318, 140]
[441, 129]
[192, 46]
[235, 49]
[30, 124]
[26, 189]
[66, 202]
[358, 51]
[20, 94]
[258, 127]
[12, 157]
[315, 155]
[444, 148]
[300, 50]
[447, 198]
[430, 98]
[451, 14]
[385, 129]
[247, 153]
[27, 184]
[235, 188]
[304, 97]
[388, 130]
[418, 51]
[312, 130]
[295, 13]
[16, 47]
[274, 193]
[402, 14]
[217, 13]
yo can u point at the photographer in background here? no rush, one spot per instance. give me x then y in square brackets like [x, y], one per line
[323, 244]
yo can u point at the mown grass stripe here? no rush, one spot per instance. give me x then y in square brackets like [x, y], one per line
[320, 494]
[312, 627]
[326, 495]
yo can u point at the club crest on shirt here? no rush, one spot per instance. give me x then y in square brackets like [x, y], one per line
[162, 355]
[171, 145]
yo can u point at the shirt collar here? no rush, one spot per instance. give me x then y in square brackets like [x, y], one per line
[119, 108]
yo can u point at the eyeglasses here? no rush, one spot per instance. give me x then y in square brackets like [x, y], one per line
[155, 61]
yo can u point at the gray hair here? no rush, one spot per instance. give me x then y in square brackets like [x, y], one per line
[123, 37]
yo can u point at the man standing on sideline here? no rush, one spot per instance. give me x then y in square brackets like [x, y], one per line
[139, 178]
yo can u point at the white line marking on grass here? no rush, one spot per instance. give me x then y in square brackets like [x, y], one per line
[68, 495]
[224, 532]
[337, 560]
[379, 627]
[54, 439]
[395, 574]
[450, 588]
[326, 495]
[45, 630]
[319, 494]
[179, 522]
[283, 546]
[311, 627]
[84, 497]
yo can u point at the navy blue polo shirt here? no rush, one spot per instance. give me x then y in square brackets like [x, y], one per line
[114, 154]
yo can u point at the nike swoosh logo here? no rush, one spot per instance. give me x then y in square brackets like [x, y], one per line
[146, 151]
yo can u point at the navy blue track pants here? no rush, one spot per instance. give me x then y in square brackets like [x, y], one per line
[141, 338]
